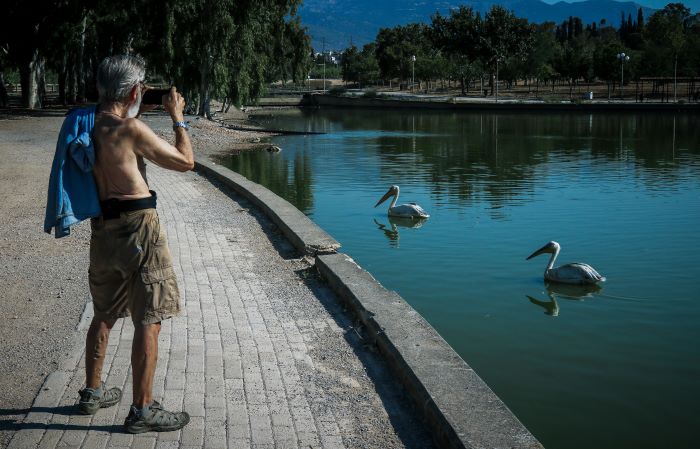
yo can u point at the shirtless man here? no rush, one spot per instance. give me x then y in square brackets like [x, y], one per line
[131, 269]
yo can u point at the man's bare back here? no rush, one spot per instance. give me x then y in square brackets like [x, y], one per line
[122, 144]
[120, 173]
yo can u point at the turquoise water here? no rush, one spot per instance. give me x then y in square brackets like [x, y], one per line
[614, 368]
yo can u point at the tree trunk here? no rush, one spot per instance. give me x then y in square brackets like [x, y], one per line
[203, 109]
[80, 66]
[41, 81]
[31, 74]
[461, 81]
[71, 80]
[3, 92]
[62, 81]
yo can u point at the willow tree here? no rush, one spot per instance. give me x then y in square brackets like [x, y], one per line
[225, 48]
[27, 28]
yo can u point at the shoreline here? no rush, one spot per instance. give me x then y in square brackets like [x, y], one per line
[469, 104]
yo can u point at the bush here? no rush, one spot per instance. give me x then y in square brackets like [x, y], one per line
[370, 93]
[337, 90]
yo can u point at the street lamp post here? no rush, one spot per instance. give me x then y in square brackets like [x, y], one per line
[496, 86]
[622, 58]
[675, 77]
[413, 71]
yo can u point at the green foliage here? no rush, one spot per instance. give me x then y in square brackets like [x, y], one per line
[227, 49]
[331, 72]
[369, 93]
[463, 46]
[396, 47]
[337, 90]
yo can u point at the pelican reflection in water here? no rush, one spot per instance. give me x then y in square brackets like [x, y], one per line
[567, 291]
[392, 231]
[410, 210]
[571, 273]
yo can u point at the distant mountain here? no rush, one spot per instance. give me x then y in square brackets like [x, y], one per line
[341, 21]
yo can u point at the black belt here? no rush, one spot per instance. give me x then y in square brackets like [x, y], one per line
[112, 208]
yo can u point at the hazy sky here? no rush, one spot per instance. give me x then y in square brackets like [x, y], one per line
[694, 5]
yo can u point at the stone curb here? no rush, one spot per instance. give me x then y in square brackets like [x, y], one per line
[51, 391]
[456, 403]
[303, 233]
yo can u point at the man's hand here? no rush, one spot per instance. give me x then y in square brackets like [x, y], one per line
[174, 104]
[146, 108]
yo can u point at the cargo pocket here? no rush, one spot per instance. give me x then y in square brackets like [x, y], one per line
[162, 296]
[158, 233]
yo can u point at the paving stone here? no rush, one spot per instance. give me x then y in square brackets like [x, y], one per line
[256, 358]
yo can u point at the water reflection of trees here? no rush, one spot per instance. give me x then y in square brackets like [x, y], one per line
[472, 157]
[290, 179]
[467, 157]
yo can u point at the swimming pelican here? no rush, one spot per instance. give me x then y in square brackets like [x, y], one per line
[571, 273]
[410, 210]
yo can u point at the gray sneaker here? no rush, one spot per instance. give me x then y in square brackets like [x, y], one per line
[153, 418]
[91, 400]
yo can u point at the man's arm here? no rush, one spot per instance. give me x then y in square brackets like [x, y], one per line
[179, 157]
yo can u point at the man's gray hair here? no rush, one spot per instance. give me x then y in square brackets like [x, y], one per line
[117, 75]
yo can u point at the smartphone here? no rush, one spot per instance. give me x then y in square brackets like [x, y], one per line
[154, 96]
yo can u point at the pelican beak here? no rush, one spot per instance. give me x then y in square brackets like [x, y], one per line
[386, 196]
[544, 249]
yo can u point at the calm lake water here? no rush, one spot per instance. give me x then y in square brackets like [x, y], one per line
[614, 368]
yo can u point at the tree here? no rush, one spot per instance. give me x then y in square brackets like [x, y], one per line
[665, 35]
[606, 66]
[396, 46]
[351, 66]
[209, 48]
[458, 37]
[25, 41]
[543, 53]
[574, 61]
[504, 36]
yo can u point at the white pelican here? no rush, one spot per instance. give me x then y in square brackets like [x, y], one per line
[571, 273]
[410, 210]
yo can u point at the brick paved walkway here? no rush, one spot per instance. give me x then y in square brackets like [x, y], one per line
[262, 357]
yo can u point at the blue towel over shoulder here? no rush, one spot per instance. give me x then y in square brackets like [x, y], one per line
[72, 195]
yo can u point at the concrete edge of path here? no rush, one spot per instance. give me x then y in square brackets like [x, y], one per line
[303, 233]
[50, 392]
[458, 406]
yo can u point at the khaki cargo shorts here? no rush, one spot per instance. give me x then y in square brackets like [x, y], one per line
[131, 269]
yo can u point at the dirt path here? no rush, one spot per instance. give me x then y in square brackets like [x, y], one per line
[43, 281]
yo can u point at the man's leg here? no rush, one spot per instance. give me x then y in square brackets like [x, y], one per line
[154, 297]
[95, 395]
[95, 348]
[147, 415]
[144, 357]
